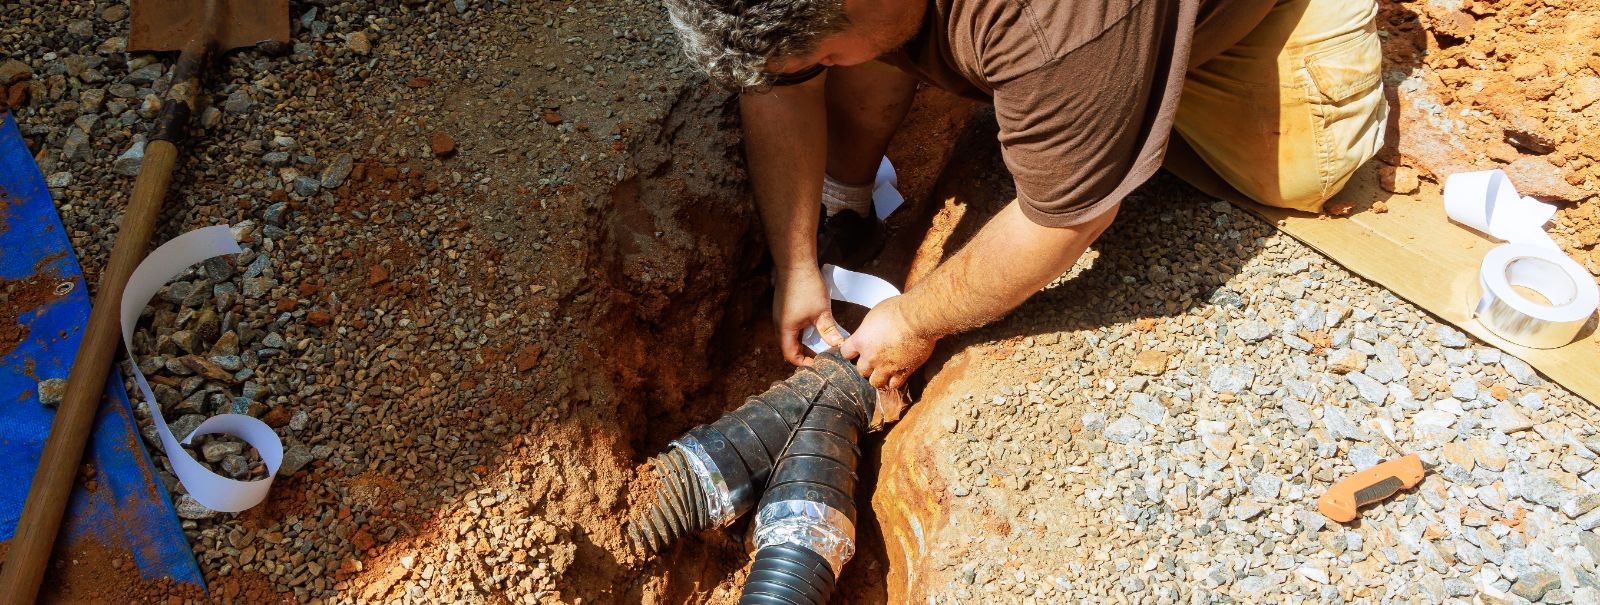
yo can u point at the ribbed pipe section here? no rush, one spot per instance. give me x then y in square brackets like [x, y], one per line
[680, 506]
[787, 574]
[736, 453]
[804, 530]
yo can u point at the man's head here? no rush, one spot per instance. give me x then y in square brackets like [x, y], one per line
[747, 43]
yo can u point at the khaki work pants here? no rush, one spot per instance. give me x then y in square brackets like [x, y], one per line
[1286, 115]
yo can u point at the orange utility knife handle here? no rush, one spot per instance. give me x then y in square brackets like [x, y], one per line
[1368, 486]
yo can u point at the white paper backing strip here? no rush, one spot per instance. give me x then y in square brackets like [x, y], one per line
[1487, 201]
[211, 490]
[851, 287]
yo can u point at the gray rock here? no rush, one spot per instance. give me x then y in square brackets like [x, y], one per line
[1534, 584]
[274, 215]
[296, 457]
[1520, 370]
[1450, 337]
[1147, 408]
[129, 162]
[1385, 371]
[51, 392]
[1094, 421]
[305, 186]
[1253, 330]
[238, 102]
[1508, 420]
[1297, 343]
[218, 268]
[210, 118]
[1548, 487]
[1299, 414]
[1363, 457]
[1266, 486]
[1224, 297]
[144, 76]
[1231, 378]
[1464, 389]
[1341, 426]
[1309, 315]
[1369, 389]
[236, 465]
[76, 147]
[216, 450]
[184, 425]
[335, 174]
[1123, 430]
[1246, 512]
[188, 508]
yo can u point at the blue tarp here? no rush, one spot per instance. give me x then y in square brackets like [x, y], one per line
[128, 509]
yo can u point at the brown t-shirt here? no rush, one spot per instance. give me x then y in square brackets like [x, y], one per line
[1085, 91]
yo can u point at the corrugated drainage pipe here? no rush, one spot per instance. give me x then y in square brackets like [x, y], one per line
[804, 529]
[714, 473]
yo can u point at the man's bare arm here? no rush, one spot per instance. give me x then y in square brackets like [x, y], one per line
[786, 145]
[1010, 259]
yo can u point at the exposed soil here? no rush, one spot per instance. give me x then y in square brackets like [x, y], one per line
[544, 265]
[22, 296]
[87, 572]
[1511, 85]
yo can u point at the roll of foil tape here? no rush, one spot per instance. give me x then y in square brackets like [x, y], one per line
[1570, 295]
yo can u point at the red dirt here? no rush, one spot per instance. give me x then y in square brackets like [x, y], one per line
[90, 572]
[1513, 85]
[21, 296]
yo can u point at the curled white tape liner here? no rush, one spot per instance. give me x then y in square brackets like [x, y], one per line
[211, 490]
[851, 287]
[1488, 202]
[886, 190]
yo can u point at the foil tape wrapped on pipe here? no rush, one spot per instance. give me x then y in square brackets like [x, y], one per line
[719, 499]
[1571, 296]
[823, 529]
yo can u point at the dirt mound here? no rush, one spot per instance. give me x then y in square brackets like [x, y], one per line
[1510, 85]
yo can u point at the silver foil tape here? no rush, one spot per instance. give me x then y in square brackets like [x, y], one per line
[819, 527]
[1570, 294]
[719, 501]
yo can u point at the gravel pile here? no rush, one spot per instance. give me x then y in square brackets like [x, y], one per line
[1176, 453]
[431, 302]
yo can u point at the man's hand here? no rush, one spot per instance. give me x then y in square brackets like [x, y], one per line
[799, 301]
[886, 348]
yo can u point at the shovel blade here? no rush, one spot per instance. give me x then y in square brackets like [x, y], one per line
[159, 25]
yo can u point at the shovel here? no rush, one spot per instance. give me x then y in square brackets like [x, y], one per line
[199, 29]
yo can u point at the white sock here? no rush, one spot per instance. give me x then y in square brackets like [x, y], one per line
[837, 196]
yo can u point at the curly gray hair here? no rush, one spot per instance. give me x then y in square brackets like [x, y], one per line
[732, 40]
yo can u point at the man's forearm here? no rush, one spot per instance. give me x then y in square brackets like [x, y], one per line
[1010, 259]
[786, 145]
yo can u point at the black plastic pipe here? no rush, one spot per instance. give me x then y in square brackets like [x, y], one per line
[717, 471]
[804, 530]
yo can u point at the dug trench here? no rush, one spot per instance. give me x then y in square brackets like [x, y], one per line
[662, 291]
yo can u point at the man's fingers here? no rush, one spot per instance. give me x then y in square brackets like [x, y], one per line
[793, 351]
[850, 351]
[829, 329]
[896, 381]
[880, 379]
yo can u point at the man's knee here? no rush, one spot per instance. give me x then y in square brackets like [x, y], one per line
[1314, 170]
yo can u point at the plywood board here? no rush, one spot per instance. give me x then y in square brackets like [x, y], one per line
[1416, 252]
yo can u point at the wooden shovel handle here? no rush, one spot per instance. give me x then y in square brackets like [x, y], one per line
[63, 451]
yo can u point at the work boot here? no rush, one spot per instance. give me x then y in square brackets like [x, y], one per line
[848, 239]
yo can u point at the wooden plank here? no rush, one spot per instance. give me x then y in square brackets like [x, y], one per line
[1416, 252]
